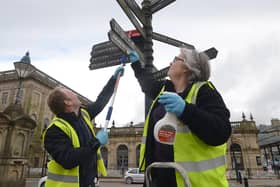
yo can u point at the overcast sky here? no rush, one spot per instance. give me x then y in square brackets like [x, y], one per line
[60, 34]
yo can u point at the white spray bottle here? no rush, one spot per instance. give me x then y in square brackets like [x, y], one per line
[165, 129]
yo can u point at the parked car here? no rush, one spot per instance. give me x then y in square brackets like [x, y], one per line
[133, 175]
[42, 181]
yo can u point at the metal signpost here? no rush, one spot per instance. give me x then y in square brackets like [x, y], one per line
[108, 53]
[171, 41]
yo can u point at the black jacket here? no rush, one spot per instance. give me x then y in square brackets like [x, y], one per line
[60, 147]
[208, 119]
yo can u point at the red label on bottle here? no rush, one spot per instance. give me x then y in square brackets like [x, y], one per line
[167, 135]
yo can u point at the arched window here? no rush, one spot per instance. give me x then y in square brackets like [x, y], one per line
[137, 155]
[122, 157]
[104, 153]
[236, 157]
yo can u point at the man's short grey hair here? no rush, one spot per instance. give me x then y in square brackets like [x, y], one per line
[198, 63]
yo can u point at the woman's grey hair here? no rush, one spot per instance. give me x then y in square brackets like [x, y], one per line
[198, 63]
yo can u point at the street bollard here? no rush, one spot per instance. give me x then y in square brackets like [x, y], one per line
[246, 182]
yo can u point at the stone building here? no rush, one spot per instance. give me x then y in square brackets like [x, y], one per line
[24, 114]
[243, 152]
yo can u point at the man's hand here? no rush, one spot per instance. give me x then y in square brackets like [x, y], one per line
[119, 70]
[172, 103]
[102, 136]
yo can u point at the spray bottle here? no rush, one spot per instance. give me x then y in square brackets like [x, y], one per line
[165, 129]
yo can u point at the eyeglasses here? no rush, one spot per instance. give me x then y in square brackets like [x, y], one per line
[176, 58]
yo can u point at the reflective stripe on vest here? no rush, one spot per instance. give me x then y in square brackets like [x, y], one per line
[63, 178]
[205, 165]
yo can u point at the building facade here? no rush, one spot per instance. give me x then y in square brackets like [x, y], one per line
[32, 92]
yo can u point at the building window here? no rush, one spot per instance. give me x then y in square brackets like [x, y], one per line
[4, 98]
[236, 157]
[36, 97]
[122, 157]
[258, 159]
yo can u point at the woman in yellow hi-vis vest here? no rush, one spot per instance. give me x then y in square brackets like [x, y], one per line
[71, 141]
[196, 139]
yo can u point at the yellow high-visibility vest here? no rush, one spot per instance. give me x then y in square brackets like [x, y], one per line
[205, 165]
[59, 176]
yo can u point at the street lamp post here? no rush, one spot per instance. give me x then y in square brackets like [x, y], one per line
[45, 157]
[23, 69]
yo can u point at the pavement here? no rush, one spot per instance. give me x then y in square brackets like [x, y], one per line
[256, 182]
[268, 182]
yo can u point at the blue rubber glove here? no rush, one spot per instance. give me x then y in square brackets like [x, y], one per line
[120, 70]
[102, 136]
[172, 103]
[133, 56]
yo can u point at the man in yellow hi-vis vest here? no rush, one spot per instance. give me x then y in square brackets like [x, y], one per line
[71, 141]
[195, 135]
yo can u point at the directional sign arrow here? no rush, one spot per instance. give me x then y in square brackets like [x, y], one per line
[159, 4]
[105, 62]
[211, 53]
[105, 54]
[160, 74]
[120, 39]
[136, 10]
[102, 45]
[125, 6]
[171, 41]
[104, 48]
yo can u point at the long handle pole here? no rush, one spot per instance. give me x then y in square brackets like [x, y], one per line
[110, 109]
